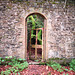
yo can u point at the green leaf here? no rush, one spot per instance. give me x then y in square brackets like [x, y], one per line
[2, 72]
[24, 59]
[71, 69]
[10, 56]
[72, 64]
[10, 63]
[18, 73]
[67, 74]
[6, 57]
[60, 70]
[20, 59]
[3, 60]
[36, 60]
[66, 69]
[16, 66]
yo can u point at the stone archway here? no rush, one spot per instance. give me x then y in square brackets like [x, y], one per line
[44, 54]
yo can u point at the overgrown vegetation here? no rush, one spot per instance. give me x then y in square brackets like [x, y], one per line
[17, 65]
[33, 22]
[62, 61]
[72, 64]
[58, 67]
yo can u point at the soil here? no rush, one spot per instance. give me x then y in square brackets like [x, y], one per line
[40, 70]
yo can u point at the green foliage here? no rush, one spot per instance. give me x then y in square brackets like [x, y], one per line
[39, 36]
[72, 65]
[62, 61]
[56, 58]
[36, 60]
[56, 66]
[42, 63]
[21, 66]
[17, 65]
[10, 60]
[7, 72]
[67, 74]
[49, 73]
[34, 22]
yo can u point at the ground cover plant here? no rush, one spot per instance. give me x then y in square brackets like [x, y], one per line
[72, 65]
[17, 66]
[60, 68]
[57, 66]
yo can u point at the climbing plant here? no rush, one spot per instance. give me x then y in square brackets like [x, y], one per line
[33, 22]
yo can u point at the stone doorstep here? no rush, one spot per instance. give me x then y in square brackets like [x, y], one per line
[33, 63]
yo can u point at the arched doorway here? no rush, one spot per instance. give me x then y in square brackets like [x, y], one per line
[44, 54]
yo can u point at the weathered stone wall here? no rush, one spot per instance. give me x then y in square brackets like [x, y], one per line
[60, 29]
[61, 40]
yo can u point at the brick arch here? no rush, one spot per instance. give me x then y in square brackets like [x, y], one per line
[44, 51]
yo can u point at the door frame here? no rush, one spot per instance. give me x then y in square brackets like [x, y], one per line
[44, 51]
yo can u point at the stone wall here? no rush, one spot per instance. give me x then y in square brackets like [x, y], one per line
[60, 30]
[61, 38]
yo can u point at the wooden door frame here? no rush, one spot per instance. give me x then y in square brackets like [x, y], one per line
[44, 51]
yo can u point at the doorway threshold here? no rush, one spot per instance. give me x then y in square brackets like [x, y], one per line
[34, 63]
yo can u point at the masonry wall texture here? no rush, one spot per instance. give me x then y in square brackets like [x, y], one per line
[60, 29]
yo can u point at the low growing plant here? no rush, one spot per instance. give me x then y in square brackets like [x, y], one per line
[72, 65]
[42, 63]
[56, 66]
[17, 65]
[36, 60]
